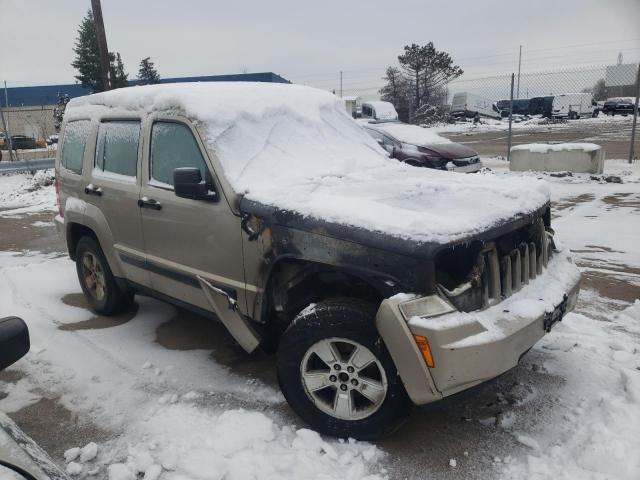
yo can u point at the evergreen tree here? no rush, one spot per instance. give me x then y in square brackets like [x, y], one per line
[119, 78]
[421, 85]
[87, 60]
[147, 74]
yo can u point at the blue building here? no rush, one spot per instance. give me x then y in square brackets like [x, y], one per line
[48, 94]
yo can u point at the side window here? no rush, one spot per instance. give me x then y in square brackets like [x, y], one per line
[118, 147]
[366, 111]
[375, 134]
[75, 140]
[173, 146]
[387, 142]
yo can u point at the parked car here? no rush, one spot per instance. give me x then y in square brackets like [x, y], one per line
[469, 105]
[574, 105]
[420, 147]
[52, 139]
[379, 110]
[267, 207]
[619, 106]
[22, 142]
[541, 106]
[20, 457]
[520, 107]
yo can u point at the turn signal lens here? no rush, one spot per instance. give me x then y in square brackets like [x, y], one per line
[423, 345]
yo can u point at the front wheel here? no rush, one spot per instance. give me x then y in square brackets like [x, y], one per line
[336, 373]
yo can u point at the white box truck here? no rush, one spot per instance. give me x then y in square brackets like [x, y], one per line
[465, 104]
[574, 105]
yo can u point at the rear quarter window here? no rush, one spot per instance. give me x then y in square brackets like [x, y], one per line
[74, 143]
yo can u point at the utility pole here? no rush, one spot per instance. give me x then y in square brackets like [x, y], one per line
[102, 45]
[519, 63]
[340, 83]
[635, 116]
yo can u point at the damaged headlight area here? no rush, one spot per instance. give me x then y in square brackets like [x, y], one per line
[429, 306]
[478, 274]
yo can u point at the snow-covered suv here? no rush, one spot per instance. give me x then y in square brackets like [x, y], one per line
[266, 206]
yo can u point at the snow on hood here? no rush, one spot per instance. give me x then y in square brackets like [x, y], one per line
[412, 134]
[297, 149]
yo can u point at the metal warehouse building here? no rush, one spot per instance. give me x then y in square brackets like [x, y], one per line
[29, 110]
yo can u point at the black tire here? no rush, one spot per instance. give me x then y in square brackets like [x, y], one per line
[114, 300]
[353, 320]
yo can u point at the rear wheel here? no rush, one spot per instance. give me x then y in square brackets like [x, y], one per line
[336, 373]
[99, 285]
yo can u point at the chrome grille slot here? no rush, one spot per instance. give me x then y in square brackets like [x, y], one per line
[504, 275]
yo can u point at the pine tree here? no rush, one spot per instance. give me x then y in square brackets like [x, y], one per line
[87, 60]
[147, 74]
[119, 78]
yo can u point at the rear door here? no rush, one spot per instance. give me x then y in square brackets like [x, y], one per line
[184, 238]
[114, 189]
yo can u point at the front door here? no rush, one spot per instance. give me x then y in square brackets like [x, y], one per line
[184, 238]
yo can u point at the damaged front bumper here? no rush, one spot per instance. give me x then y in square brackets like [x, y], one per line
[470, 348]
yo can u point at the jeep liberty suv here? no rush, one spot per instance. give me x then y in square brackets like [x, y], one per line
[267, 207]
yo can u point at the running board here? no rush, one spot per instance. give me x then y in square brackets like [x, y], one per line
[226, 308]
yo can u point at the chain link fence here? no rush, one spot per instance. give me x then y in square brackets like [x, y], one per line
[591, 104]
[596, 104]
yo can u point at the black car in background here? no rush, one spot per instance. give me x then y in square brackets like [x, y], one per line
[520, 107]
[619, 106]
[541, 106]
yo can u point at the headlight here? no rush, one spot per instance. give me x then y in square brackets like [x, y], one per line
[430, 306]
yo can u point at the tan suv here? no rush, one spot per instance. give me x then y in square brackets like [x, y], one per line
[268, 208]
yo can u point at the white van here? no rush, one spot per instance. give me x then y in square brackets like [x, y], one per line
[465, 104]
[574, 105]
[379, 110]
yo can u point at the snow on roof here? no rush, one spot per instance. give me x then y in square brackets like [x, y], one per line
[296, 148]
[555, 147]
[412, 134]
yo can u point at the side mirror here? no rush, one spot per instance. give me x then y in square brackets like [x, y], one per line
[188, 183]
[380, 141]
[14, 341]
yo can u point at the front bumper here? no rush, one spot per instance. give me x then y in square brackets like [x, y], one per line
[465, 168]
[470, 348]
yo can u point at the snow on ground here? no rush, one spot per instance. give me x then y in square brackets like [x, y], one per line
[183, 415]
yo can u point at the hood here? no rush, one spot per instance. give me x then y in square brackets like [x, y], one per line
[450, 151]
[414, 205]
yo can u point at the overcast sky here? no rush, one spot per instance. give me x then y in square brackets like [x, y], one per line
[310, 42]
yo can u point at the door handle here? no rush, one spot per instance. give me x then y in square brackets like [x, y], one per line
[91, 189]
[146, 202]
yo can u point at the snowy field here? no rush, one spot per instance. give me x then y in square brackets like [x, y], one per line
[160, 394]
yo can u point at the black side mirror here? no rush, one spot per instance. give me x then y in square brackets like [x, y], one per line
[188, 183]
[14, 341]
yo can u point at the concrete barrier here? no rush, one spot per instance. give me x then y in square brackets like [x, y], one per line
[562, 157]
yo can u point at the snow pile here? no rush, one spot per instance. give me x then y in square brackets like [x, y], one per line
[555, 147]
[296, 148]
[593, 432]
[26, 193]
[411, 134]
[186, 442]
